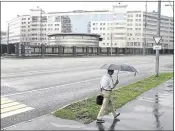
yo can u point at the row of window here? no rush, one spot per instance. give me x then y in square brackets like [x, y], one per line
[38, 29]
[39, 39]
[136, 15]
[133, 43]
[109, 44]
[112, 33]
[131, 20]
[109, 24]
[25, 22]
[25, 26]
[133, 38]
[109, 28]
[25, 18]
[132, 28]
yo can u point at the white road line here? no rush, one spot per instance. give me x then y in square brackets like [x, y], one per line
[12, 108]
[6, 101]
[9, 107]
[9, 104]
[123, 74]
[16, 112]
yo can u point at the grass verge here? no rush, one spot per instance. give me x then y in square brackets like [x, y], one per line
[86, 111]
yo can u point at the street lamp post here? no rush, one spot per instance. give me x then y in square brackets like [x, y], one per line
[158, 34]
[111, 43]
[145, 28]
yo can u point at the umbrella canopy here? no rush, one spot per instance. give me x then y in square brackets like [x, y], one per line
[122, 67]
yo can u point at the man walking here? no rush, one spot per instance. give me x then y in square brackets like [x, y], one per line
[107, 85]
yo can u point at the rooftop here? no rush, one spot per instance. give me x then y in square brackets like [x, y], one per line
[75, 34]
[78, 11]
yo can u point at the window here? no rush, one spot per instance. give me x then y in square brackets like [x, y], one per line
[103, 28]
[93, 28]
[100, 23]
[103, 43]
[93, 23]
[135, 43]
[139, 15]
[100, 28]
[103, 23]
[103, 33]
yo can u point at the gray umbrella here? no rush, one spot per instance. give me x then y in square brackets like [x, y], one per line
[122, 67]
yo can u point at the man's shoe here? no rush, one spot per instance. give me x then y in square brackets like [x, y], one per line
[116, 116]
[100, 121]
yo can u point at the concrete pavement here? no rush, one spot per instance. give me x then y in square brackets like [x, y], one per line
[152, 110]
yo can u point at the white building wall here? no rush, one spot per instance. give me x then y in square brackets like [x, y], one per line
[128, 32]
[14, 31]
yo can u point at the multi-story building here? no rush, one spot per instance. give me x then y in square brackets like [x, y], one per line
[136, 37]
[118, 27]
[3, 38]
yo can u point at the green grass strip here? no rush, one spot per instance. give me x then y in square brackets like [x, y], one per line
[86, 111]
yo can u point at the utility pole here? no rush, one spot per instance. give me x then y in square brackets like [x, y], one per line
[158, 35]
[111, 43]
[8, 39]
[145, 28]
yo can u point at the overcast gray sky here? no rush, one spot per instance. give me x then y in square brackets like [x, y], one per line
[10, 10]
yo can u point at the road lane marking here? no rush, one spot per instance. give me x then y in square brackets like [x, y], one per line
[78, 82]
[10, 107]
[9, 104]
[6, 101]
[16, 112]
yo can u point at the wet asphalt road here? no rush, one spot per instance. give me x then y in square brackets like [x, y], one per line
[48, 84]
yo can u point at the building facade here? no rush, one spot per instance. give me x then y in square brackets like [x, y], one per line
[137, 32]
[118, 27]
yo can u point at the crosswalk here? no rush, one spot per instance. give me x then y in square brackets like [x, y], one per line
[10, 107]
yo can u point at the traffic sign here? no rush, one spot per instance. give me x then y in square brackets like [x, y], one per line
[157, 39]
[157, 47]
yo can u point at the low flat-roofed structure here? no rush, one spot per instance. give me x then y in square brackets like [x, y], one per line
[74, 39]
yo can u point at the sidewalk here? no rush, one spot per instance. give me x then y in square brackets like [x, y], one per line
[152, 110]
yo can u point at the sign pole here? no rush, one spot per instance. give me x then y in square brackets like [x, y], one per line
[158, 34]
